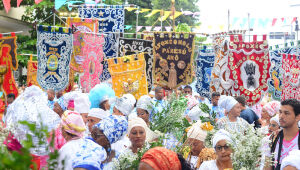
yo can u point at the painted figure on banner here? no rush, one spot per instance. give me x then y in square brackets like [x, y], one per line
[173, 56]
[111, 23]
[32, 72]
[291, 77]
[249, 64]
[8, 63]
[93, 53]
[129, 46]
[80, 26]
[54, 54]
[129, 75]
[204, 66]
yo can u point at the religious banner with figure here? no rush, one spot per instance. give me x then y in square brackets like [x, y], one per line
[32, 72]
[111, 23]
[128, 75]
[275, 83]
[129, 46]
[8, 63]
[92, 64]
[173, 59]
[249, 64]
[220, 81]
[54, 50]
[80, 25]
[291, 77]
[205, 63]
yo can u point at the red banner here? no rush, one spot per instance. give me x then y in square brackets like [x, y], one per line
[249, 65]
[291, 77]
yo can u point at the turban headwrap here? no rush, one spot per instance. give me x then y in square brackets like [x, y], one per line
[161, 158]
[66, 98]
[227, 102]
[100, 93]
[113, 127]
[272, 107]
[293, 159]
[192, 101]
[82, 103]
[125, 104]
[196, 132]
[221, 135]
[98, 113]
[72, 123]
[276, 119]
[150, 135]
[145, 103]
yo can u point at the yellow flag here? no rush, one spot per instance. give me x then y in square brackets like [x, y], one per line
[221, 27]
[153, 12]
[177, 14]
[130, 9]
[144, 10]
[166, 15]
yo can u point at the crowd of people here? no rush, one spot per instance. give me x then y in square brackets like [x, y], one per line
[96, 129]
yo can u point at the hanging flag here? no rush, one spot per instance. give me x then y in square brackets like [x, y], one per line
[196, 14]
[173, 58]
[168, 29]
[38, 1]
[93, 52]
[187, 13]
[234, 21]
[177, 14]
[153, 12]
[6, 4]
[243, 22]
[19, 2]
[263, 22]
[144, 10]
[134, 46]
[294, 19]
[274, 21]
[252, 22]
[59, 3]
[127, 27]
[130, 8]
[165, 16]
[148, 28]
[139, 28]
[221, 27]
[157, 29]
[54, 50]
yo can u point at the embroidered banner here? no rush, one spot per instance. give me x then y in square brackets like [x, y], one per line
[291, 77]
[220, 81]
[173, 58]
[275, 82]
[205, 63]
[249, 64]
[8, 63]
[111, 23]
[129, 75]
[81, 26]
[54, 51]
[32, 72]
[93, 52]
[134, 46]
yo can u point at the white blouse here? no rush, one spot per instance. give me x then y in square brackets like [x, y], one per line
[209, 165]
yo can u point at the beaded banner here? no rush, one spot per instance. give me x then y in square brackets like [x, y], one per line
[129, 75]
[205, 63]
[111, 23]
[291, 77]
[54, 51]
[249, 64]
[81, 26]
[173, 59]
[134, 46]
[93, 52]
[8, 62]
[220, 81]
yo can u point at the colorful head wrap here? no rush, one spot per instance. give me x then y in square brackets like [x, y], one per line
[161, 158]
[113, 127]
[221, 135]
[293, 159]
[64, 100]
[98, 113]
[227, 102]
[72, 123]
[272, 107]
[145, 103]
[192, 101]
[82, 103]
[100, 93]
[196, 132]
[62, 104]
[125, 104]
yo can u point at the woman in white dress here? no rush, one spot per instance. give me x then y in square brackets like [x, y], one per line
[221, 142]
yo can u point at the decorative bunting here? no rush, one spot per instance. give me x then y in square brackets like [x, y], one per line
[129, 75]
[93, 52]
[249, 64]
[291, 77]
[81, 26]
[205, 63]
[8, 63]
[173, 58]
[166, 15]
[19, 2]
[134, 46]
[274, 21]
[168, 29]
[109, 23]
[153, 12]
[38, 1]
[6, 4]
[144, 10]
[138, 28]
[54, 51]
[157, 29]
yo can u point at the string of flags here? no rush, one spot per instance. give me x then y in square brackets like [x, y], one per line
[261, 22]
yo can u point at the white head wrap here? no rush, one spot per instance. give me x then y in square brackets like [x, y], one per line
[145, 103]
[195, 113]
[276, 119]
[125, 104]
[150, 135]
[221, 135]
[82, 103]
[293, 159]
[98, 113]
[196, 132]
[227, 102]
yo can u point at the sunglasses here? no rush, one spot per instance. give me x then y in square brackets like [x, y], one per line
[219, 148]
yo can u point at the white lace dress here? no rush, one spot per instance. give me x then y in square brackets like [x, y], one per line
[209, 165]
